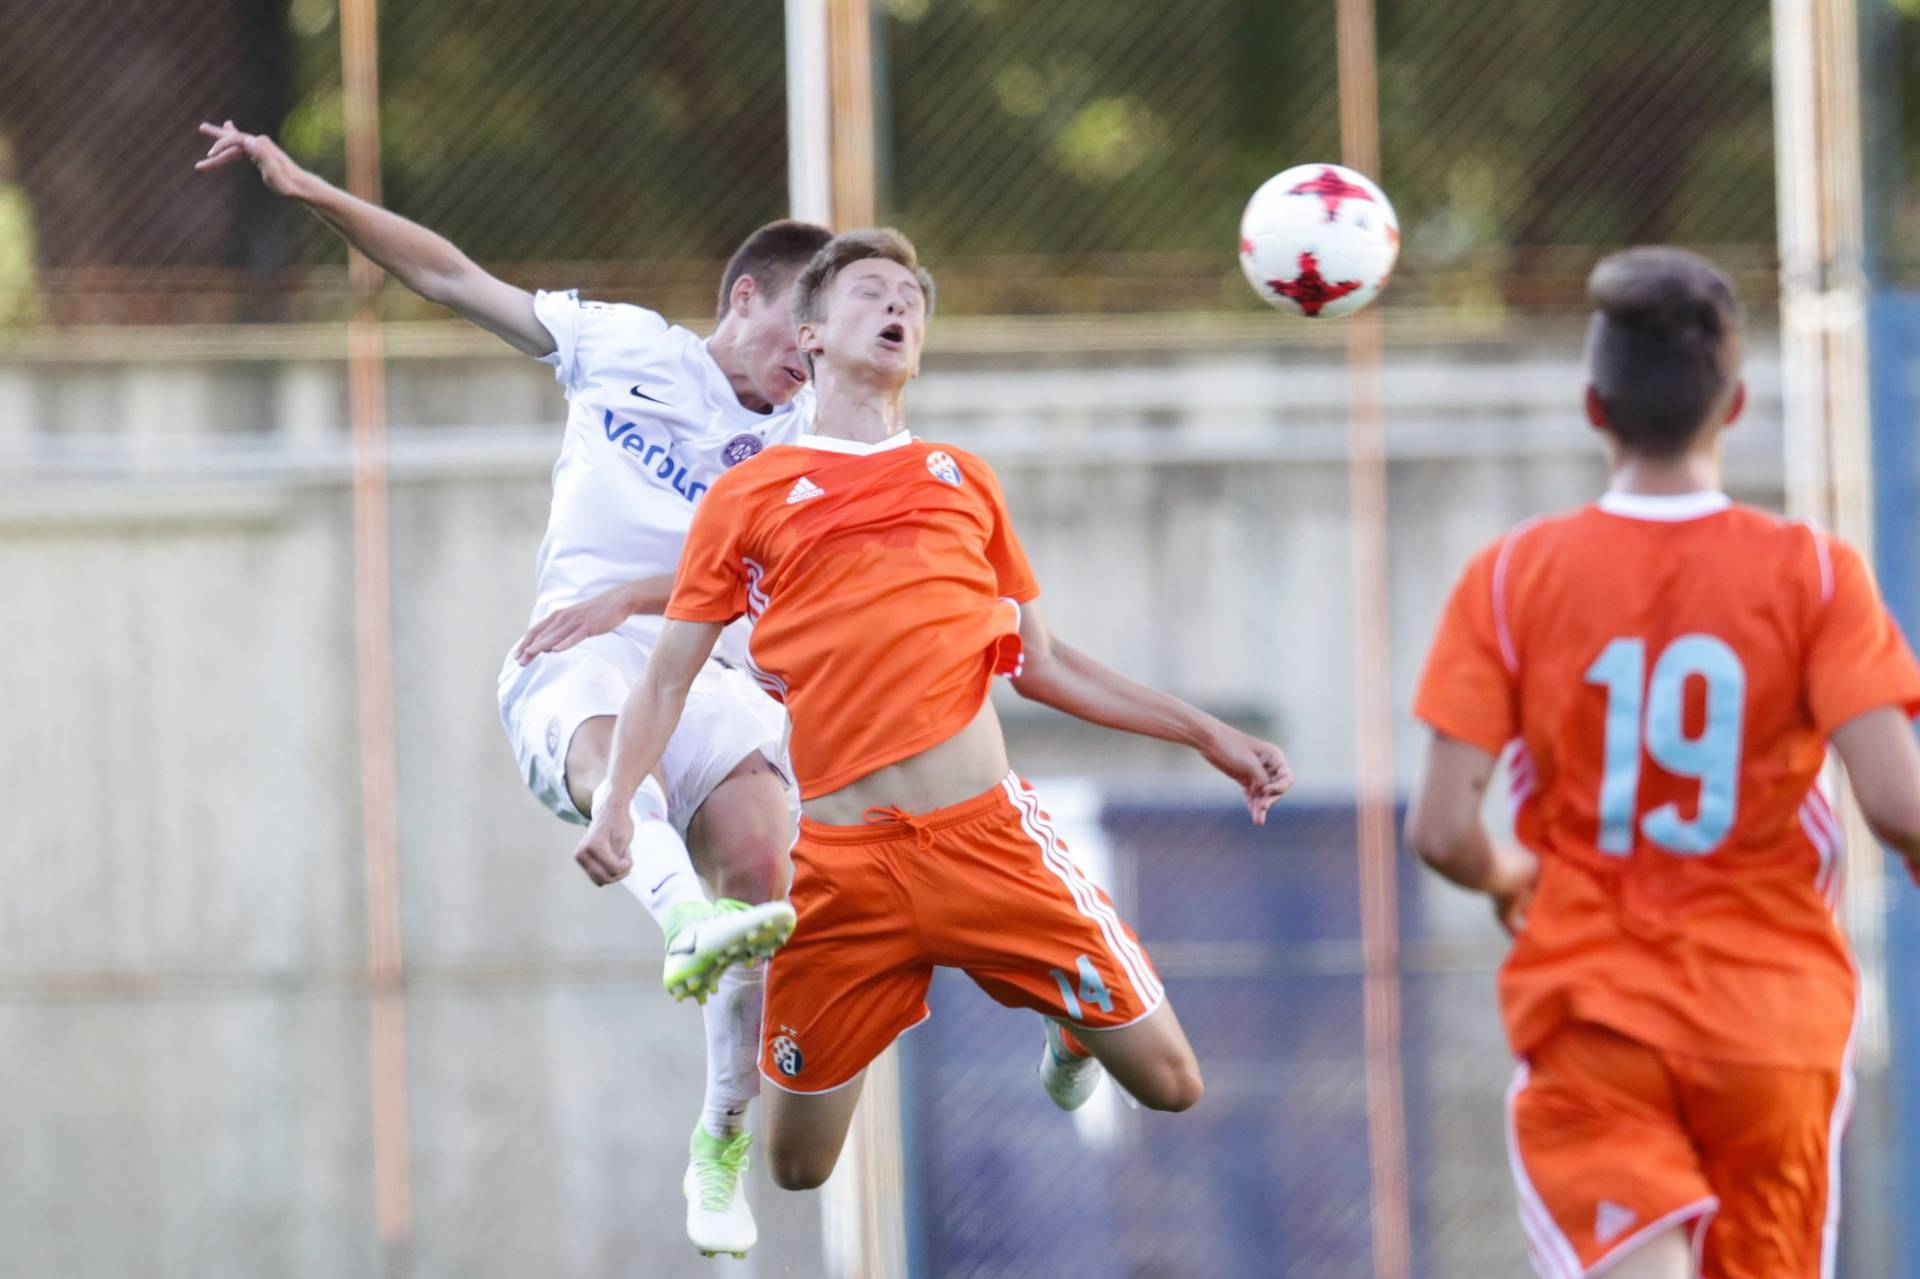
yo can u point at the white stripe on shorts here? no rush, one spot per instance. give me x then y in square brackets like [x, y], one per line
[1837, 1129]
[1553, 1255]
[1148, 982]
[1126, 953]
[1086, 896]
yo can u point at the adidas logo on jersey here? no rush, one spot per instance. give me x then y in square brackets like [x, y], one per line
[803, 489]
[1612, 1221]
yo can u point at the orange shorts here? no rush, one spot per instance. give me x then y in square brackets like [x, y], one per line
[1612, 1142]
[985, 886]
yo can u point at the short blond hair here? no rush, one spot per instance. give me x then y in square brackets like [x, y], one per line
[841, 252]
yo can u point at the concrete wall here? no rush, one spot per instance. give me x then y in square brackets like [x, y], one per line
[181, 935]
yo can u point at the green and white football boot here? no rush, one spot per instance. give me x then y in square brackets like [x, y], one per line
[718, 1219]
[704, 939]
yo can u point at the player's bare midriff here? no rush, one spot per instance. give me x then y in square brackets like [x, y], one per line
[970, 762]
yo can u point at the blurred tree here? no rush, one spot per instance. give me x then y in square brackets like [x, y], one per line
[610, 131]
[100, 98]
[594, 130]
[1893, 157]
[1091, 128]
[1085, 126]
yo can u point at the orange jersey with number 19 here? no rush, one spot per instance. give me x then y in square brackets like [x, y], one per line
[1667, 672]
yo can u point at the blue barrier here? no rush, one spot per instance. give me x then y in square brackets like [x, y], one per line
[1256, 929]
[1894, 336]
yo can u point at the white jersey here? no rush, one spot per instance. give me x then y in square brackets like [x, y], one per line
[652, 423]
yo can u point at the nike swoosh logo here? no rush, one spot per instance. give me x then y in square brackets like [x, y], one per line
[656, 399]
[656, 887]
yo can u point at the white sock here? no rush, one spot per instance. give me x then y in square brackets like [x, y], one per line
[662, 876]
[733, 1050]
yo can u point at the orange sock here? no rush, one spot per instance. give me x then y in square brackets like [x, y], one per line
[1073, 1045]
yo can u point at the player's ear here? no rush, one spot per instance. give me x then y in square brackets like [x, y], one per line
[740, 300]
[807, 339]
[1737, 405]
[1597, 410]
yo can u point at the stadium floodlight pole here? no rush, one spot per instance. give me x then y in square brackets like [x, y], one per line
[373, 650]
[830, 134]
[1373, 675]
[850, 50]
[877, 1142]
[809, 113]
[1823, 369]
[830, 179]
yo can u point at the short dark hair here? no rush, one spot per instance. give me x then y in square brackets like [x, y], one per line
[1663, 351]
[773, 255]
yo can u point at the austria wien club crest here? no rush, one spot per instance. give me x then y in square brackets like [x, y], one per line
[740, 448]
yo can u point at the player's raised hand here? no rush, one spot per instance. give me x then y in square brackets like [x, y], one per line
[605, 850]
[1260, 768]
[231, 144]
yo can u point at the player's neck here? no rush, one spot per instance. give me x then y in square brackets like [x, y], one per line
[858, 409]
[724, 347]
[1694, 472]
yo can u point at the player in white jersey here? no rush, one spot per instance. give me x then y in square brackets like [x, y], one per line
[656, 415]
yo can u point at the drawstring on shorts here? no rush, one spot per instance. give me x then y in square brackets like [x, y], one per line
[921, 827]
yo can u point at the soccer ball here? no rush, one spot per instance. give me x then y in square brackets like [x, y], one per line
[1318, 240]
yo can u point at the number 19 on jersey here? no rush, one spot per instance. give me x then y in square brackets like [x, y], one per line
[1647, 717]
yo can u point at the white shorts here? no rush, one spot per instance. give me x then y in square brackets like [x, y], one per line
[727, 718]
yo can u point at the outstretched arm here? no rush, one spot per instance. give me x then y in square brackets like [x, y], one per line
[424, 261]
[1070, 681]
[563, 628]
[640, 738]
[1444, 829]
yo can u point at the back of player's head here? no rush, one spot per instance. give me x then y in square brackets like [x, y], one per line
[773, 255]
[841, 252]
[1663, 352]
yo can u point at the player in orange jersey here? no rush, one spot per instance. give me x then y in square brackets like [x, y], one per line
[888, 589]
[1665, 670]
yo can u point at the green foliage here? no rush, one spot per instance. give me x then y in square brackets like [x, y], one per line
[1087, 127]
[615, 129]
[592, 130]
[1894, 137]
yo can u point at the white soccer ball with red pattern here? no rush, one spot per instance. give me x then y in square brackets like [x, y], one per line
[1318, 240]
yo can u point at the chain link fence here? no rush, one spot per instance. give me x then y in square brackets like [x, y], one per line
[608, 144]
[1062, 157]
[1256, 933]
[1109, 152]
[182, 973]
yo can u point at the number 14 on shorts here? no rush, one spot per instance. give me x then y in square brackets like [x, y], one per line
[1092, 989]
